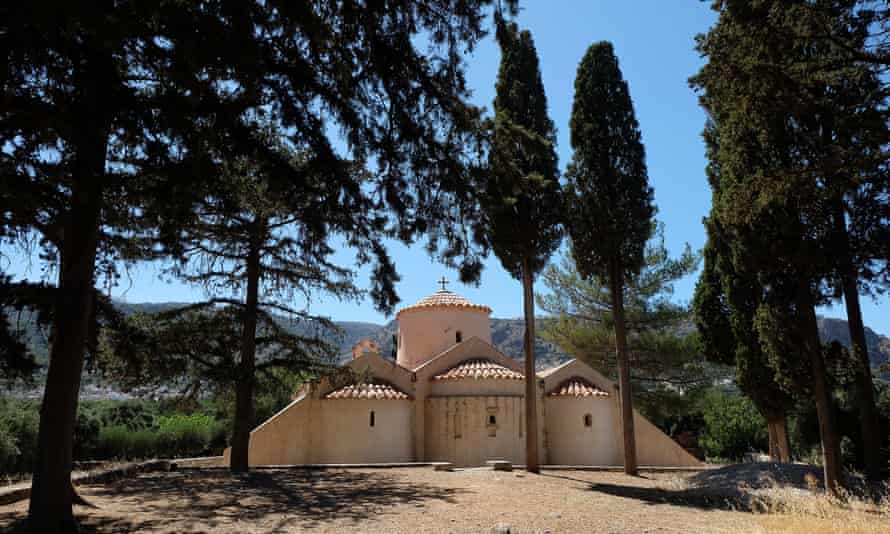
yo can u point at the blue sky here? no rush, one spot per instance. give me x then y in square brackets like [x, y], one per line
[654, 42]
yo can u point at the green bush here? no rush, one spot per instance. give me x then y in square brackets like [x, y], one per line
[732, 426]
[19, 424]
[186, 435]
[117, 442]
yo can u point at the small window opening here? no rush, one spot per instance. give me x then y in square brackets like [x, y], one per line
[588, 420]
[372, 418]
[492, 420]
[458, 337]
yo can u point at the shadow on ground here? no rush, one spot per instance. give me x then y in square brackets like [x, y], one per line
[693, 497]
[274, 498]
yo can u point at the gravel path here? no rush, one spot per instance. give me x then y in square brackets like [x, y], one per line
[394, 500]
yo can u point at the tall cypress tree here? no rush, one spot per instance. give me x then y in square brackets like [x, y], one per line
[521, 196]
[725, 305]
[111, 109]
[766, 201]
[609, 201]
[791, 75]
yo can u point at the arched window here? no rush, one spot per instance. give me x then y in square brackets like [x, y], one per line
[458, 337]
[371, 421]
[588, 420]
[492, 420]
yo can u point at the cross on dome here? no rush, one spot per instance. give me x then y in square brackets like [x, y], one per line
[443, 282]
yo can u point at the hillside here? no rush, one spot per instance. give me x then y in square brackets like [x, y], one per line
[506, 334]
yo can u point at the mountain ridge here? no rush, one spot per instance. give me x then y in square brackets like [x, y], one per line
[506, 335]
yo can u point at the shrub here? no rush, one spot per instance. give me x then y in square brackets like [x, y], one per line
[732, 426]
[186, 435]
[19, 424]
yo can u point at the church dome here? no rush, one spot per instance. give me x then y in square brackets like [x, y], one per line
[436, 323]
[443, 298]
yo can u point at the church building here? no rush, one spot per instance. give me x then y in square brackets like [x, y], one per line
[451, 396]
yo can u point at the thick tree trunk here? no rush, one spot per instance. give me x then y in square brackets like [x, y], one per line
[627, 414]
[831, 451]
[868, 413]
[244, 409]
[531, 393]
[50, 507]
[779, 444]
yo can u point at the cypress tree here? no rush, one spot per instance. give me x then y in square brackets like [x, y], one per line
[725, 305]
[609, 201]
[816, 121]
[521, 192]
[112, 112]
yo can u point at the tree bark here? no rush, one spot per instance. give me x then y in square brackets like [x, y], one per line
[779, 444]
[865, 396]
[244, 408]
[50, 507]
[831, 452]
[531, 393]
[627, 415]
[868, 413]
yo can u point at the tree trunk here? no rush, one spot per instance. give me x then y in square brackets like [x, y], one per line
[50, 507]
[831, 452]
[531, 393]
[244, 409]
[627, 414]
[868, 413]
[779, 444]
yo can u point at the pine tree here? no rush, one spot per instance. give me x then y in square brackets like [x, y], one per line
[521, 198]
[257, 243]
[609, 202]
[112, 112]
[583, 323]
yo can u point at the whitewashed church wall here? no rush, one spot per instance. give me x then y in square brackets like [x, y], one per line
[570, 441]
[342, 431]
[474, 387]
[460, 429]
[656, 448]
[284, 438]
[427, 333]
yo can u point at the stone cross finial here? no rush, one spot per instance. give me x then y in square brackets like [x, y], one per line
[443, 282]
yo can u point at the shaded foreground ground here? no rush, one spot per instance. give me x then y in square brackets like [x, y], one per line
[399, 500]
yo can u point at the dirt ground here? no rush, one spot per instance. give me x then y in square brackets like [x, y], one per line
[395, 500]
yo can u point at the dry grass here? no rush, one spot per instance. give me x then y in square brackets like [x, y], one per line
[789, 499]
[794, 512]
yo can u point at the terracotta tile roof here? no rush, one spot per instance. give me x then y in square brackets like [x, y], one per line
[444, 299]
[577, 387]
[479, 369]
[376, 389]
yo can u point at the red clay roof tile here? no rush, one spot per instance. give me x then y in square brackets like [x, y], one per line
[479, 369]
[375, 390]
[577, 387]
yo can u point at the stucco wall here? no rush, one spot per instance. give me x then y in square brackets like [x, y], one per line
[424, 334]
[458, 429]
[570, 442]
[283, 439]
[342, 432]
[474, 388]
[654, 447]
